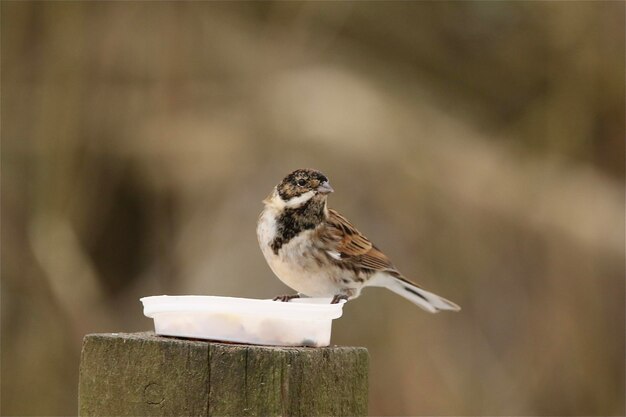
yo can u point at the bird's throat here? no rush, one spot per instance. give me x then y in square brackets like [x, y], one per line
[293, 221]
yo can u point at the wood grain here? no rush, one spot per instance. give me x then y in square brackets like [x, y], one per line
[141, 374]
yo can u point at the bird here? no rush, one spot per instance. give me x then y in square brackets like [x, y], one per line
[318, 253]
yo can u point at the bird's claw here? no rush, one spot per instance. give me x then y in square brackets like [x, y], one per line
[338, 298]
[286, 298]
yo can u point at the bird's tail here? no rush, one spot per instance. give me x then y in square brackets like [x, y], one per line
[418, 296]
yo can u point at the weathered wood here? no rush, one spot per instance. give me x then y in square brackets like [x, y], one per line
[141, 374]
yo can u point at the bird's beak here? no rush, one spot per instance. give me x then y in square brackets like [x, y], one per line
[325, 188]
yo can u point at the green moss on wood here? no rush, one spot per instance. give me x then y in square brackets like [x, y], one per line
[146, 375]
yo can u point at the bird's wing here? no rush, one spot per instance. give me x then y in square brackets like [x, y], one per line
[348, 245]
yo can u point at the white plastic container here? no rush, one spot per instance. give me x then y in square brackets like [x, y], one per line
[300, 322]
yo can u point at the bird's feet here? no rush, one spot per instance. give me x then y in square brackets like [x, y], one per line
[338, 298]
[286, 298]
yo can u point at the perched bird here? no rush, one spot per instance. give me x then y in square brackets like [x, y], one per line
[319, 253]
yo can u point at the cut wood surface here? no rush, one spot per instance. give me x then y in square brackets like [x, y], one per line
[141, 374]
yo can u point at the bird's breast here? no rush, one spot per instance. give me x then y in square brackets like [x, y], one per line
[266, 228]
[299, 263]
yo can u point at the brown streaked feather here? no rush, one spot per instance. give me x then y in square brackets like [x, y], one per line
[353, 247]
[377, 260]
[348, 240]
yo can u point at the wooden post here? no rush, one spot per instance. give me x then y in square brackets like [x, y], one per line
[141, 374]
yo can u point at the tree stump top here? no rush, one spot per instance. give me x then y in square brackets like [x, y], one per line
[145, 374]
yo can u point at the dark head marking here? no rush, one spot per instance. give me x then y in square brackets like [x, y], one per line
[302, 181]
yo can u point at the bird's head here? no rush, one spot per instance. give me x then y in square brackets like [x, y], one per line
[301, 185]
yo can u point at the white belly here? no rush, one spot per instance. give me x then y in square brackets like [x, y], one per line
[298, 262]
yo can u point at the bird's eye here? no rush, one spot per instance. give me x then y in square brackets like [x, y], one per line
[301, 182]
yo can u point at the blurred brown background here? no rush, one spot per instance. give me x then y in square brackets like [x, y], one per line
[480, 144]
